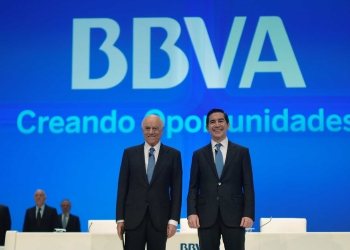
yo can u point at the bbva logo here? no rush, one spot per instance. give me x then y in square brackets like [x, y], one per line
[215, 74]
[189, 246]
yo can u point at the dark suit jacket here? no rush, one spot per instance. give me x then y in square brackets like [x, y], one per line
[162, 196]
[73, 224]
[5, 223]
[233, 193]
[48, 220]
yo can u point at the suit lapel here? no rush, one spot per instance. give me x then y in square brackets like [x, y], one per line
[161, 162]
[230, 155]
[140, 156]
[45, 214]
[34, 212]
[60, 221]
[69, 221]
[208, 152]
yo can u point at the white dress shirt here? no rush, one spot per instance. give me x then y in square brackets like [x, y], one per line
[223, 148]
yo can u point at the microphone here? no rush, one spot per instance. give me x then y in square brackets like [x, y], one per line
[266, 222]
[89, 227]
[216, 151]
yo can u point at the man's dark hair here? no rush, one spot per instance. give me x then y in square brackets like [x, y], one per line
[217, 111]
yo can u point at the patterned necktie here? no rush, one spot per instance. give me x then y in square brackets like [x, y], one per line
[219, 159]
[64, 221]
[38, 217]
[151, 164]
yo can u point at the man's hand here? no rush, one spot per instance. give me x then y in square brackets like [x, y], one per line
[171, 230]
[193, 221]
[246, 222]
[120, 228]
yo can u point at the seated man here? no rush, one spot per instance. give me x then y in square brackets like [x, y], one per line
[5, 223]
[66, 220]
[40, 218]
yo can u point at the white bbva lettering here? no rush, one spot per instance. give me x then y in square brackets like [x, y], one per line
[81, 54]
[286, 62]
[215, 74]
[190, 246]
[142, 55]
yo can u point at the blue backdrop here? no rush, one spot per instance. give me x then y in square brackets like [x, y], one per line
[77, 78]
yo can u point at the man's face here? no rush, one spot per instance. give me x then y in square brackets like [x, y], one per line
[39, 198]
[152, 129]
[65, 206]
[217, 126]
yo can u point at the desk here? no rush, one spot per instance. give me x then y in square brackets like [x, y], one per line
[182, 241]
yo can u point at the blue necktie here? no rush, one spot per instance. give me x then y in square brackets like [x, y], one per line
[151, 164]
[64, 221]
[219, 159]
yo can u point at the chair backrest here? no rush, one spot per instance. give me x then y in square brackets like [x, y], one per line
[282, 225]
[184, 228]
[102, 226]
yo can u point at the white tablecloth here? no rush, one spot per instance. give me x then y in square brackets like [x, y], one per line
[182, 241]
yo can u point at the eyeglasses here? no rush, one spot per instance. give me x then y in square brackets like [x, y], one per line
[155, 129]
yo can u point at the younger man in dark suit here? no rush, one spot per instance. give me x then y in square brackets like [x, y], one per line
[149, 190]
[67, 220]
[220, 197]
[5, 223]
[41, 218]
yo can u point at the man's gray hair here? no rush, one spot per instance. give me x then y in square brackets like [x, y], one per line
[155, 115]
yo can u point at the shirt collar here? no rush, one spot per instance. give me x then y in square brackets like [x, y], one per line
[156, 147]
[42, 207]
[224, 143]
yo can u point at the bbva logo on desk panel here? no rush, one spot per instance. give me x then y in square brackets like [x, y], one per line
[215, 73]
[189, 246]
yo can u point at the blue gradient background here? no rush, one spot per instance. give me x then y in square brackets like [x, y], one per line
[297, 174]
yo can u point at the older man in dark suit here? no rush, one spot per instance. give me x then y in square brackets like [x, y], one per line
[67, 220]
[221, 197]
[40, 218]
[149, 190]
[5, 223]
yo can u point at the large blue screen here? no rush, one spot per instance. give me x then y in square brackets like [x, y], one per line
[77, 78]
